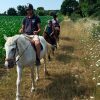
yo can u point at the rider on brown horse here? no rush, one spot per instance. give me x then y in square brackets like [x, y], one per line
[56, 26]
[49, 33]
[55, 22]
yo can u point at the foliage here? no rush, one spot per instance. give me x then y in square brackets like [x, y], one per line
[84, 8]
[97, 10]
[96, 32]
[90, 7]
[40, 11]
[12, 12]
[68, 6]
[75, 16]
[63, 8]
[40, 8]
[21, 10]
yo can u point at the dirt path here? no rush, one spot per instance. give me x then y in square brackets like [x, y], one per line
[68, 79]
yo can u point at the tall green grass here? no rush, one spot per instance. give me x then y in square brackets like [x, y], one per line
[10, 26]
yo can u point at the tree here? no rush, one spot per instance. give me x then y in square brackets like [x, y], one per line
[69, 6]
[21, 10]
[89, 7]
[47, 12]
[84, 7]
[40, 11]
[90, 2]
[63, 8]
[11, 12]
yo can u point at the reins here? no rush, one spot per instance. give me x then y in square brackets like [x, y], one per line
[22, 52]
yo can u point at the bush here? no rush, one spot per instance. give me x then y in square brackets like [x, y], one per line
[75, 16]
[96, 32]
[96, 14]
[12, 12]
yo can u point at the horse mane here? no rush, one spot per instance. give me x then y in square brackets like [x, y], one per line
[11, 40]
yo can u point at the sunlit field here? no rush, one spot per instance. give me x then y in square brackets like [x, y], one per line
[74, 71]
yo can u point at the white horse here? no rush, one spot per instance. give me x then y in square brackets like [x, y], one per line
[20, 51]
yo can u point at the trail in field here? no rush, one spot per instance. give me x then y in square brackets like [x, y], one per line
[68, 79]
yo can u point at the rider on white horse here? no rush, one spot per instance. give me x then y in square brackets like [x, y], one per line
[31, 26]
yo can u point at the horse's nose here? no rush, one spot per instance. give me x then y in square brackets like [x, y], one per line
[9, 64]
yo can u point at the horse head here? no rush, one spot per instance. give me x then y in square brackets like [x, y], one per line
[10, 48]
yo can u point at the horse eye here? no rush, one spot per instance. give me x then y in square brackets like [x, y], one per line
[13, 49]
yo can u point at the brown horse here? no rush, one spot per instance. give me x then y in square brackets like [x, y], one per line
[57, 34]
[51, 39]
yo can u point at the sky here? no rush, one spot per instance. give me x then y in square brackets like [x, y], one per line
[47, 4]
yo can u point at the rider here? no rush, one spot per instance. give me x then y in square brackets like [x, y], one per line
[49, 32]
[56, 22]
[49, 28]
[31, 26]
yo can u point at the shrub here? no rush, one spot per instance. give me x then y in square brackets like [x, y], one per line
[96, 31]
[75, 16]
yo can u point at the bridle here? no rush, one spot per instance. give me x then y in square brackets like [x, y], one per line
[13, 59]
[17, 50]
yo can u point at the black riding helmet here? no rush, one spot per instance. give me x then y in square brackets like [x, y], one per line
[29, 7]
[49, 21]
[54, 16]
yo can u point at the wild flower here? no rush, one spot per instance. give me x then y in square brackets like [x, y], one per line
[98, 84]
[98, 63]
[93, 78]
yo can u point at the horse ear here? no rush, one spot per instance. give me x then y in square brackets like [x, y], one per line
[5, 37]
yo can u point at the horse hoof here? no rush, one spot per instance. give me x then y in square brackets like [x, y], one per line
[17, 98]
[32, 90]
[46, 73]
[37, 79]
[58, 46]
[17, 95]
[49, 59]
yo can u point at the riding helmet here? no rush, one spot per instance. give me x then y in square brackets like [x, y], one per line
[29, 7]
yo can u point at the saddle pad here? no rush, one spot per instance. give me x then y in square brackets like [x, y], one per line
[30, 37]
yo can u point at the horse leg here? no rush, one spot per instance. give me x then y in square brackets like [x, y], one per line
[53, 50]
[37, 73]
[58, 43]
[45, 68]
[49, 57]
[19, 74]
[58, 40]
[49, 51]
[32, 77]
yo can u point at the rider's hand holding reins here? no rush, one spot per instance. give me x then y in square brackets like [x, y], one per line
[35, 32]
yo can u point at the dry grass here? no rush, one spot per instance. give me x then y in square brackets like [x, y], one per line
[69, 79]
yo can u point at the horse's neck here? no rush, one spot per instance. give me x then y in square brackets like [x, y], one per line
[23, 43]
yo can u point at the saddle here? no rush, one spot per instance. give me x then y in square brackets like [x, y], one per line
[33, 45]
[30, 38]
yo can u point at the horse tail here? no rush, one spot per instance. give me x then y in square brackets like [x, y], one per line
[50, 50]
